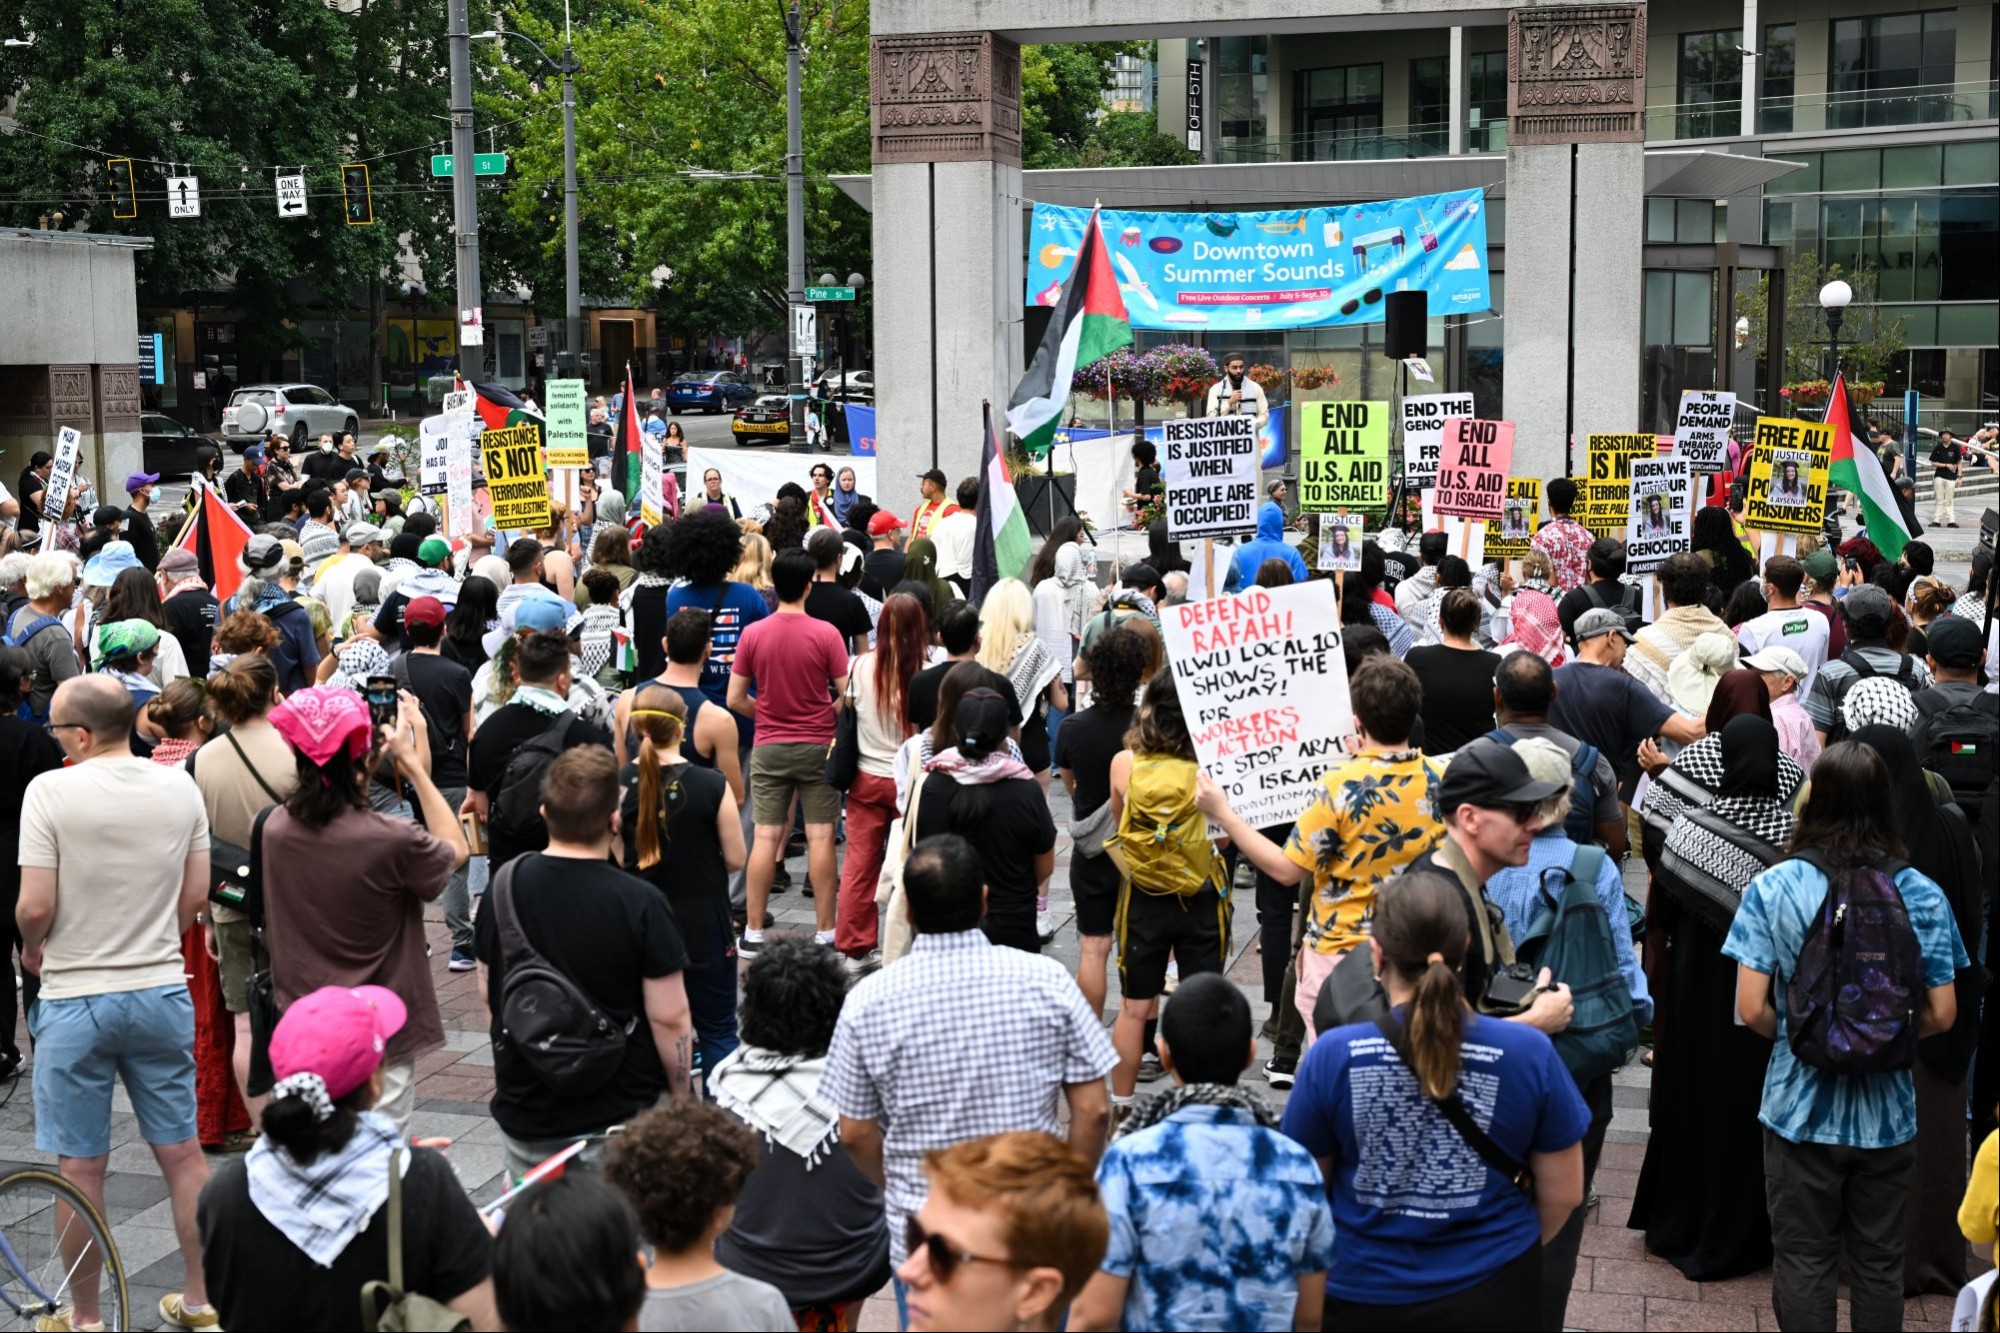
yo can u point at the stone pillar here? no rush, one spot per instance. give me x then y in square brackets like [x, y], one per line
[1576, 78]
[950, 277]
[117, 451]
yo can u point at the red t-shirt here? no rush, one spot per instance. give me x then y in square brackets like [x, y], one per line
[793, 661]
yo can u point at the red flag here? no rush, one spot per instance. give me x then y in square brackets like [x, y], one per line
[217, 538]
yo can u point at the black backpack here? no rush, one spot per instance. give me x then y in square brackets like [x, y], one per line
[1625, 606]
[1863, 669]
[573, 1046]
[516, 809]
[1958, 739]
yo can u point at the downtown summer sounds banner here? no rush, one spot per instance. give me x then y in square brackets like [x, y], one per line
[1290, 269]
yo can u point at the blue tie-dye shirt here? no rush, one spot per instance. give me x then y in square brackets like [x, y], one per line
[1808, 1105]
[1213, 1219]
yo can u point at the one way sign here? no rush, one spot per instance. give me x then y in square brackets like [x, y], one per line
[291, 196]
[183, 197]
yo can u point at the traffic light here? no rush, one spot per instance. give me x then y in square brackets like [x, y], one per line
[360, 208]
[124, 197]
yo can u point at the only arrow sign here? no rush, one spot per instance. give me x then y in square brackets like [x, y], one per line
[183, 197]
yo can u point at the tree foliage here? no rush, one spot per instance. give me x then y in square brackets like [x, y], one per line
[1870, 341]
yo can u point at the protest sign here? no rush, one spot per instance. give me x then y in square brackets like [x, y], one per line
[1662, 512]
[1340, 537]
[62, 476]
[515, 476]
[652, 480]
[1463, 537]
[1507, 537]
[1424, 415]
[1263, 682]
[1209, 465]
[460, 517]
[1607, 494]
[569, 444]
[1344, 457]
[1701, 431]
[1472, 467]
[434, 435]
[1788, 465]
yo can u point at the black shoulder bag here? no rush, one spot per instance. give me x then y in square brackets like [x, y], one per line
[1452, 1108]
[235, 879]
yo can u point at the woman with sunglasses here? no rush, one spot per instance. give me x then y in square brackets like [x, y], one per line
[683, 834]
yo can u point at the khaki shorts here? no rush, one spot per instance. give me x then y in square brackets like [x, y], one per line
[242, 957]
[777, 772]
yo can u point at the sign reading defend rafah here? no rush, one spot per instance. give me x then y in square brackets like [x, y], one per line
[515, 477]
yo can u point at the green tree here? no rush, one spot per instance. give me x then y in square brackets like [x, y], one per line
[1063, 119]
[1870, 341]
[1132, 139]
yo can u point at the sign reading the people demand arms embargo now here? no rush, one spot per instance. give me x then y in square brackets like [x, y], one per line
[515, 477]
[1262, 681]
[1209, 465]
[1701, 430]
[1473, 466]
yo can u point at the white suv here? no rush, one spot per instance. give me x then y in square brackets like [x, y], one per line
[303, 411]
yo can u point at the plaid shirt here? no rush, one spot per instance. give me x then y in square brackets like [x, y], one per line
[959, 1040]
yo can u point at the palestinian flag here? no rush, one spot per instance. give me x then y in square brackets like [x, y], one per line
[1000, 543]
[1859, 472]
[1089, 322]
[500, 407]
[217, 537]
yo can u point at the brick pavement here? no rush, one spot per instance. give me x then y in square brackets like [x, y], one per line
[1618, 1285]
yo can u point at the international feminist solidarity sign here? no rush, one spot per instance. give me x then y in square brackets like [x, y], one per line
[515, 477]
[1210, 469]
[1263, 682]
[1473, 468]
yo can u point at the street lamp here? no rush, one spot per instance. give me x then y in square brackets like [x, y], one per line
[572, 299]
[1834, 299]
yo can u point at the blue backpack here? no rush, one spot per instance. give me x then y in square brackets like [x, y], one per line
[1572, 937]
[1579, 828]
[26, 712]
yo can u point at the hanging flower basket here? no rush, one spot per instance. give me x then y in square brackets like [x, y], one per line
[1266, 376]
[1314, 377]
[1806, 393]
[1865, 392]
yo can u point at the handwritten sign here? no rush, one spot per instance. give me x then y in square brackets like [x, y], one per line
[1608, 486]
[1210, 469]
[62, 476]
[1424, 415]
[1788, 466]
[1701, 430]
[515, 476]
[1472, 467]
[569, 444]
[1263, 682]
[1661, 513]
[1507, 537]
[434, 437]
[1340, 537]
[459, 515]
[1344, 457]
[652, 480]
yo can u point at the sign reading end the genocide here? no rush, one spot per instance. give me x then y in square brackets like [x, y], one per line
[1424, 415]
[1472, 468]
[1788, 466]
[1263, 682]
[515, 476]
[1701, 431]
[1344, 457]
[1662, 505]
[1210, 470]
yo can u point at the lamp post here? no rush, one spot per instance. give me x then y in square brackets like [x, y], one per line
[1834, 299]
[795, 224]
[572, 297]
[857, 281]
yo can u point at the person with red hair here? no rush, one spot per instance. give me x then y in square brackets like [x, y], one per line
[878, 689]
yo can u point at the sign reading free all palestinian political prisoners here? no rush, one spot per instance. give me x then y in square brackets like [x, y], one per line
[1607, 496]
[1788, 466]
[1209, 465]
[1344, 457]
[1263, 682]
[1701, 431]
[1661, 513]
[1507, 537]
[515, 477]
[1424, 415]
[1473, 468]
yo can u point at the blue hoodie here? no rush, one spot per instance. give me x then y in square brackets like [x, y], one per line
[1270, 543]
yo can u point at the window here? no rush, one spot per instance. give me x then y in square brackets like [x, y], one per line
[1486, 73]
[1679, 326]
[1933, 246]
[1892, 69]
[1711, 84]
[1686, 221]
[1338, 112]
[1781, 41]
[1240, 97]
[1486, 355]
[1430, 103]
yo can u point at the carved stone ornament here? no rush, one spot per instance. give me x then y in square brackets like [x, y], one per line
[1576, 74]
[71, 400]
[945, 97]
[118, 400]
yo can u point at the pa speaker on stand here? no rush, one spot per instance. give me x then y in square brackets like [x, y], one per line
[1406, 317]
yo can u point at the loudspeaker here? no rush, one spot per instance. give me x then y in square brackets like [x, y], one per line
[1405, 315]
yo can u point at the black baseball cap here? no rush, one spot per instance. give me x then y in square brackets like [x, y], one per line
[934, 476]
[982, 721]
[1141, 577]
[1954, 641]
[1489, 775]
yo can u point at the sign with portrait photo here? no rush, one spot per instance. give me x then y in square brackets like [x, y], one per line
[1340, 537]
[1507, 537]
[1661, 513]
[1788, 466]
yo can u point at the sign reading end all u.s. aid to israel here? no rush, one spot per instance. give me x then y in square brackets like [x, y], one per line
[1294, 268]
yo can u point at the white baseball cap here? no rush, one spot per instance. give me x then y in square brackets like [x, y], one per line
[1777, 657]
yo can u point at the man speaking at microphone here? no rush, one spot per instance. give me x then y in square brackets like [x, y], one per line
[1236, 394]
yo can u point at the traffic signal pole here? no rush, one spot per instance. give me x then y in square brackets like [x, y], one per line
[464, 192]
[795, 228]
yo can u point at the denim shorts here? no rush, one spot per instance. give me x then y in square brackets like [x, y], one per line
[145, 1037]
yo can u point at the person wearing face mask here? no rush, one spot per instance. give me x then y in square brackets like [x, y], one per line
[1236, 394]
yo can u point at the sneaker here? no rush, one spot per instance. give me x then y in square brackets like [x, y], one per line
[862, 966]
[1045, 925]
[63, 1321]
[173, 1309]
[782, 880]
[10, 1064]
[1173, 982]
[462, 961]
[1150, 1068]
[747, 947]
[1281, 1073]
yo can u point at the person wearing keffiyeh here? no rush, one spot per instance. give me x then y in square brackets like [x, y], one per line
[1683, 582]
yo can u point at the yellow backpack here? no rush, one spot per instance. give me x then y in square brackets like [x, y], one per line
[1162, 841]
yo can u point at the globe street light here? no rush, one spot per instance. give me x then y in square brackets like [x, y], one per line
[1834, 299]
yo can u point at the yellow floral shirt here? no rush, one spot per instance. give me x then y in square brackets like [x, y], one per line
[1374, 814]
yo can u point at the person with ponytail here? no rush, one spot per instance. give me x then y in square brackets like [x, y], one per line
[294, 1230]
[1433, 1233]
[878, 690]
[683, 835]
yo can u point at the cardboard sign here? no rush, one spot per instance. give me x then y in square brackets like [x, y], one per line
[1209, 465]
[1344, 457]
[1701, 431]
[1507, 537]
[1462, 536]
[1424, 415]
[515, 476]
[1607, 493]
[652, 480]
[1473, 466]
[568, 420]
[1340, 537]
[1788, 465]
[62, 476]
[1662, 512]
[1263, 681]
[434, 437]
[459, 514]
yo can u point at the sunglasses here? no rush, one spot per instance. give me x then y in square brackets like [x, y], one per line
[1520, 811]
[943, 1256]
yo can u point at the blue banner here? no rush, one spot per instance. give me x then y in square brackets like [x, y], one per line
[1275, 437]
[1300, 268]
[860, 429]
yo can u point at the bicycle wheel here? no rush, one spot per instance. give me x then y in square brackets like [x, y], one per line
[55, 1248]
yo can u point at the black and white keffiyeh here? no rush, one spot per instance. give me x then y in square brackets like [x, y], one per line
[322, 1207]
[778, 1096]
[1693, 779]
[1152, 1110]
[1712, 854]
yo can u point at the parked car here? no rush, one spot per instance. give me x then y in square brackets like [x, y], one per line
[167, 446]
[302, 411]
[708, 391]
[768, 416]
[858, 385]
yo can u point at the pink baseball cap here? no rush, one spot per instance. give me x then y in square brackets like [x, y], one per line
[338, 1033]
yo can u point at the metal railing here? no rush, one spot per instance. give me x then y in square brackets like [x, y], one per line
[1432, 139]
[1812, 113]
